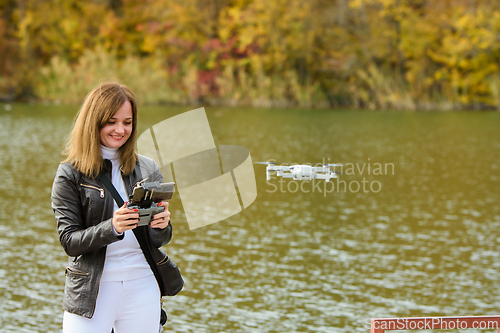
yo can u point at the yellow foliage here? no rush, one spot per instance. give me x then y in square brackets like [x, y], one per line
[362, 53]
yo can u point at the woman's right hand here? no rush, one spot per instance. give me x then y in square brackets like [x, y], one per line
[125, 219]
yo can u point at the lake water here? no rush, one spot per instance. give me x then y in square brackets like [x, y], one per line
[412, 229]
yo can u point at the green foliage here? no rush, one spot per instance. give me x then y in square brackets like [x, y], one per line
[402, 54]
[58, 81]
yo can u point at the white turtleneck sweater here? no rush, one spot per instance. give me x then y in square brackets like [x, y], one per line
[124, 258]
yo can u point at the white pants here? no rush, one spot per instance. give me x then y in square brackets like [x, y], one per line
[127, 306]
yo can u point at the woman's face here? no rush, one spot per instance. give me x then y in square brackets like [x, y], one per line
[119, 127]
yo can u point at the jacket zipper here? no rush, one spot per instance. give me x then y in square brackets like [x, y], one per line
[94, 187]
[76, 271]
[164, 260]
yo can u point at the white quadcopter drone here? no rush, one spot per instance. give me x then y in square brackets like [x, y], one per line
[301, 172]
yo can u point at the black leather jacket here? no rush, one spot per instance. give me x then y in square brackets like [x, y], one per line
[83, 208]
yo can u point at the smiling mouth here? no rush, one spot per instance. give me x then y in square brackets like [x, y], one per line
[116, 137]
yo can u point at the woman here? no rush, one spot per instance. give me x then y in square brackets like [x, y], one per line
[109, 283]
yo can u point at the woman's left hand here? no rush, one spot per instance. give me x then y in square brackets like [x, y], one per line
[161, 220]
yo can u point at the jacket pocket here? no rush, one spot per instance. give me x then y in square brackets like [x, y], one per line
[93, 201]
[101, 190]
[163, 260]
[76, 289]
[75, 271]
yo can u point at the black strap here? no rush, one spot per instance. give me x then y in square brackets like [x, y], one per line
[107, 183]
[140, 236]
[140, 232]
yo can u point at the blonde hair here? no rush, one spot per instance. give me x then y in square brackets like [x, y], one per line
[83, 145]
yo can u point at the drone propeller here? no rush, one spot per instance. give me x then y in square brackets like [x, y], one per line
[265, 163]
